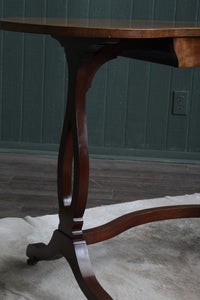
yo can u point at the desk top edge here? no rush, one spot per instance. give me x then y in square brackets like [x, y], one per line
[101, 28]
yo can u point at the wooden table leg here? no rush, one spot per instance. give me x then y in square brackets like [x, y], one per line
[84, 59]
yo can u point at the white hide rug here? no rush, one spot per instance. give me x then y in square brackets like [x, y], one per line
[156, 261]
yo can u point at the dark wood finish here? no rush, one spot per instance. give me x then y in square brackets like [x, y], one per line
[83, 64]
[76, 253]
[87, 48]
[119, 225]
[157, 50]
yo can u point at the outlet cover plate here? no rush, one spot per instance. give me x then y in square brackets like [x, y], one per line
[180, 103]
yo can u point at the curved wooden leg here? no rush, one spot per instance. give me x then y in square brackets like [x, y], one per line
[82, 269]
[76, 253]
[84, 59]
[125, 222]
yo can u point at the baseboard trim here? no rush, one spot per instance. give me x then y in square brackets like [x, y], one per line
[106, 152]
[145, 155]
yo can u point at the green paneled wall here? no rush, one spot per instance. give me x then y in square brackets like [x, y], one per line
[130, 103]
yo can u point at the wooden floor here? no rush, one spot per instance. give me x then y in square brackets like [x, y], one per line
[28, 182]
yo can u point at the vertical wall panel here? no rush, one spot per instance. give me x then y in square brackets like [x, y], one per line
[1, 63]
[100, 9]
[194, 136]
[160, 92]
[13, 67]
[186, 10]
[137, 103]
[121, 9]
[138, 89]
[158, 108]
[78, 8]
[194, 122]
[116, 102]
[165, 10]
[33, 80]
[55, 80]
[96, 97]
[177, 127]
[181, 80]
[117, 86]
[143, 9]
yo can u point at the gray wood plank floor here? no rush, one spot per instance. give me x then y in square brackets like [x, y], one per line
[28, 182]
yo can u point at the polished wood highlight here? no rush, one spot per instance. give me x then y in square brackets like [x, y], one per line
[187, 51]
[88, 45]
[125, 222]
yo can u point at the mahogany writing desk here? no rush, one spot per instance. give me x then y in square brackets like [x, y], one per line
[89, 44]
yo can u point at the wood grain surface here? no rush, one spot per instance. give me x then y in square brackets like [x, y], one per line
[102, 28]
